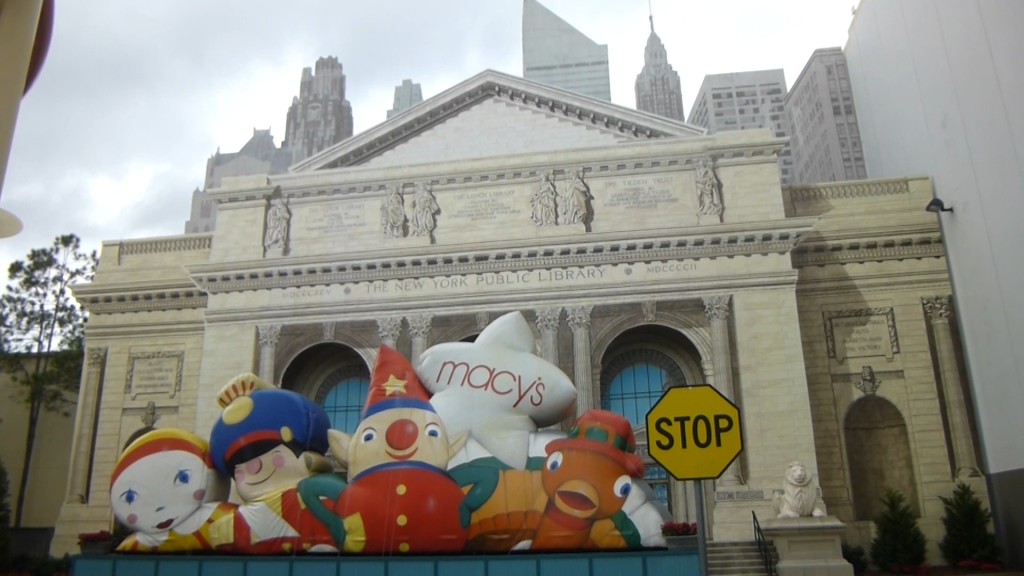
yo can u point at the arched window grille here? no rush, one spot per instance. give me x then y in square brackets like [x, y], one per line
[342, 395]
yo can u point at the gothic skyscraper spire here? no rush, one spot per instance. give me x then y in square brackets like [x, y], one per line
[657, 86]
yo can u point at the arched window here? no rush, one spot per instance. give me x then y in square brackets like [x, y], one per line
[344, 399]
[634, 390]
[635, 382]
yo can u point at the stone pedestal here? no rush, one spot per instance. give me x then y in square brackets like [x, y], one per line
[808, 546]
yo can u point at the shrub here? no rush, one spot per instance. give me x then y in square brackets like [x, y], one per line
[856, 556]
[899, 542]
[966, 523]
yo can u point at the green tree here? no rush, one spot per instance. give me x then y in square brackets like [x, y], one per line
[966, 522]
[898, 541]
[41, 334]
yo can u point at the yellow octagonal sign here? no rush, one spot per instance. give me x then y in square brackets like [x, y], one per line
[694, 432]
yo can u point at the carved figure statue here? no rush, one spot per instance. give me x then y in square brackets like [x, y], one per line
[543, 201]
[278, 216]
[424, 207]
[799, 496]
[575, 199]
[392, 214]
[709, 190]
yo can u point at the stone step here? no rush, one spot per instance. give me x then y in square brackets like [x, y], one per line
[737, 559]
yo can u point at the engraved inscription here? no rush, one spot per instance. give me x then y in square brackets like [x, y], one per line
[154, 373]
[485, 205]
[639, 193]
[337, 217]
[861, 333]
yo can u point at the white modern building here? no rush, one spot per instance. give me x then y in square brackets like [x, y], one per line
[557, 54]
[938, 86]
[824, 137]
[745, 101]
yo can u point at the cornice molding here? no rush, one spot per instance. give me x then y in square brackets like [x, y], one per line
[675, 155]
[100, 298]
[216, 280]
[489, 84]
[876, 250]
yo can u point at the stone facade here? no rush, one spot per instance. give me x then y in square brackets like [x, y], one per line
[755, 301]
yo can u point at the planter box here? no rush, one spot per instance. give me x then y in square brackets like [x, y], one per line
[671, 562]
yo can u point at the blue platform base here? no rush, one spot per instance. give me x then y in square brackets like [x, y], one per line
[638, 563]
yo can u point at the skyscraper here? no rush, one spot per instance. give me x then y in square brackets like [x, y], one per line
[743, 101]
[258, 156]
[407, 95]
[319, 116]
[824, 136]
[557, 54]
[657, 85]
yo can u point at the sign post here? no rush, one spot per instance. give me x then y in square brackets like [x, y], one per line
[694, 433]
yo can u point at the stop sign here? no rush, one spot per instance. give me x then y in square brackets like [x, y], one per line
[694, 432]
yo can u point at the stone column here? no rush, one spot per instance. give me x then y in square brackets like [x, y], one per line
[269, 335]
[419, 329]
[547, 322]
[388, 329]
[88, 407]
[965, 462]
[579, 322]
[716, 308]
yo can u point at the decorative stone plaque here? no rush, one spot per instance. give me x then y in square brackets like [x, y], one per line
[861, 333]
[154, 373]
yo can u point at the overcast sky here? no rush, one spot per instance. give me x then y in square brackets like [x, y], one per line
[135, 96]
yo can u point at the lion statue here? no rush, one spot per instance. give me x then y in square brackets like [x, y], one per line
[799, 496]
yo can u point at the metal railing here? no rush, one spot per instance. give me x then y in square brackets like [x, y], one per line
[763, 547]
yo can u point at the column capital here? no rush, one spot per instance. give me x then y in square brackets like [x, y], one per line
[419, 325]
[548, 318]
[937, 307]
[96, 357]
[579, 317]
[269, 334]
[717, 307]
[389, 328]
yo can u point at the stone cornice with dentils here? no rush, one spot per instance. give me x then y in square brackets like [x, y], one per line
[133, 297]
[870, 250]
[500, 260]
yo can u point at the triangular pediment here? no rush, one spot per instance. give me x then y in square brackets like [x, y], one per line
[495, 114]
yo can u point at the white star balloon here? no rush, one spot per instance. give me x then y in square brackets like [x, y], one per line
[496, 388]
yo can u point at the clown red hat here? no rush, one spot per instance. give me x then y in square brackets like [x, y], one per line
[394, 384]
[158, 441]
[606, 433]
